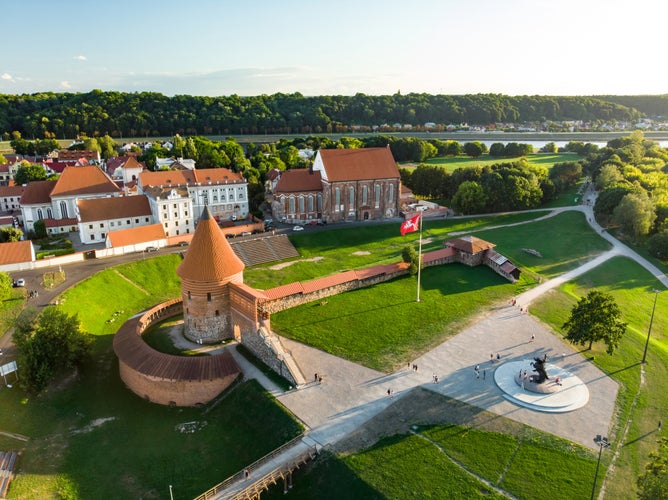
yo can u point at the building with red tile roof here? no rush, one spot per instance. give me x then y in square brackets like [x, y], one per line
[36, 203]
[298, 195]
[99, 216]
[16, 252]
[356, 184]
[223, 191]
[77, 183]
[136, 238]
[474, 251]
[77, 155]
[171, 207]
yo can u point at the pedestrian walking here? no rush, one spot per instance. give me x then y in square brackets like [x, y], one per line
[246, 474]
[491, 358]
[659, 426]
[533, 337]
[316, 377]
[484, 374]
[389, 393]
[435, 379]
[497, 356]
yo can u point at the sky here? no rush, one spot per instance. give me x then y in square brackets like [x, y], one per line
[375, 47]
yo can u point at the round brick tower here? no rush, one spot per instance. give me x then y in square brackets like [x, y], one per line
[208, 268]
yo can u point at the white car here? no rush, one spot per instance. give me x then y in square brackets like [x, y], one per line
[20, 282]
[298, 228]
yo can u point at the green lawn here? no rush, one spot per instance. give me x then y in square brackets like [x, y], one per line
[544, 159]
[631, 286]
[10, 308]
[381, 326]
[91, 437]
[450, 461]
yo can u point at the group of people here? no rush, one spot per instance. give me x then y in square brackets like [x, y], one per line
[33, 294]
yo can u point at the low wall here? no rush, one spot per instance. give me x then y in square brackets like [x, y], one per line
[163, 378]
[276, 305]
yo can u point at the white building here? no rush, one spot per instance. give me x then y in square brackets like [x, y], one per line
[223, 191]
[98, 217]
[172, 208]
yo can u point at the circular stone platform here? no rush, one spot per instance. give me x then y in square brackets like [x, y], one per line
[548, 396]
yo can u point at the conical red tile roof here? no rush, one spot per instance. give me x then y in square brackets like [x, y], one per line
[210, 257]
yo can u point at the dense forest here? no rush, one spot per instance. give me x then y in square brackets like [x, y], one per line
[118, 114]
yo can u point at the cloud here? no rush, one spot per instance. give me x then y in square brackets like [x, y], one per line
[80, 58]
[65, 84]
[7, 77]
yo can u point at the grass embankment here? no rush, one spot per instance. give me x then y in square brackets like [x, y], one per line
[10, 308]
[90, 437]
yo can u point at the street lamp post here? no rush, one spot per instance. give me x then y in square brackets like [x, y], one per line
[649, 331]
[602, 442]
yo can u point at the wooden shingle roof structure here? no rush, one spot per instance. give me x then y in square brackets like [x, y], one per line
[210, 257]
[469, 244]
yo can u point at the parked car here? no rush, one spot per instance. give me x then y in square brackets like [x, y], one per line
[183, 243]
[151, 249]
[20, 282]
[268, 221]
[298, 228]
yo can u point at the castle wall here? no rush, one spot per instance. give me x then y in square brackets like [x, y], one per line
[273, 306]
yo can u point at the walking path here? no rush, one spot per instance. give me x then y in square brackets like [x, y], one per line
[351, 394]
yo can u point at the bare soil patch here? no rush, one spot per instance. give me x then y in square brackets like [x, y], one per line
[283, 265]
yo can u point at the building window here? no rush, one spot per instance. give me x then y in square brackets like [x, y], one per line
[301, 204]
[189, 295]
[39, 214]
[337, 199]
[92, 237]
[208, 296]
[101, 225]
[113, 223]
[49, 215]
[291, 202]
[351, 196]
[217, 312]
[63, 210]
[377, 194]
[365, 195]
[319, 203]
[174, 205]
[186, 213]
[166, 224]
[145, 219]
[90, 226]
[310, 203]
[127, 222]
[390, 195]
[136, 221]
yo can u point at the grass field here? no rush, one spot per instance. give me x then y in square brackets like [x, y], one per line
[93, 438]
[547, 160]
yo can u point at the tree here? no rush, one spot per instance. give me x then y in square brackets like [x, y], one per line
[40, 229]
[497, 149]
[635, 214]
[657, 245]
[5, 285]
[653, 483]
[10, 234]
[596, 317]
[410, 255]
[48, 345]
[29, 172]
[470, 198]
[474, 149]
[550, 147]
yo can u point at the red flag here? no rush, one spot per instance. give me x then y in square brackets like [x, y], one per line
[410, 225]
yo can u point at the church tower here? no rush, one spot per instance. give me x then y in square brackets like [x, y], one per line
[207, 270]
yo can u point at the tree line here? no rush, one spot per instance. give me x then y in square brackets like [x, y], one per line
[144, 114]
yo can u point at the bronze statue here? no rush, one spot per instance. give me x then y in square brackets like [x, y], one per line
[539, 367]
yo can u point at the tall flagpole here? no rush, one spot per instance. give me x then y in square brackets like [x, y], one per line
[419, 260]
